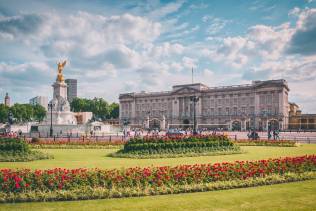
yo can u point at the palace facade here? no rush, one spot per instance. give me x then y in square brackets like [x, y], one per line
[238, 107]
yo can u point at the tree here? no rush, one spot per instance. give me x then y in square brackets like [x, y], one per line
[39, 112]
[4, 112]
[114, 110]
[99, 107]
[22, 112]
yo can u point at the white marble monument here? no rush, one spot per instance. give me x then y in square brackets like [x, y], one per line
[58, 113]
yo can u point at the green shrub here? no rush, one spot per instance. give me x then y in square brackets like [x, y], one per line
[153, 147]
[17, 150]
[23, 157]
[13, 145]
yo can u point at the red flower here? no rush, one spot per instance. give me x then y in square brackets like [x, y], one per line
[17, 185]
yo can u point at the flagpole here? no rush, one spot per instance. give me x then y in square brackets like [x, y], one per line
[192, 75]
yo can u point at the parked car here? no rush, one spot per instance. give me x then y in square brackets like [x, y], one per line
[175, 132]
[2, 131]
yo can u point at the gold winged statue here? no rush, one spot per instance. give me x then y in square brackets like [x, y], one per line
[60, 76]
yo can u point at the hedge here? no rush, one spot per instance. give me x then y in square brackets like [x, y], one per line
[17, 150]
[173, 146]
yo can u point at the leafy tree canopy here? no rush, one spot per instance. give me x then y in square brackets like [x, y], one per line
[22, 112]
[100, 108]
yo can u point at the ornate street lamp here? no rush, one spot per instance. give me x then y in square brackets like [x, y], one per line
[125, 122]
[194, 99]
[10, 120]
[51, 105]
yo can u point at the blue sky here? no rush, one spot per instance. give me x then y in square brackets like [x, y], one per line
[125, 46]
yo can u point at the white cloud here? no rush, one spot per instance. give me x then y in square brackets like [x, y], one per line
[189, 63]
[84, 31]
[215, 24]
[183, 33]
[261, 41]
[106, 71]
[166, 49]
[198, 6]
[303, 41]
[294, 12]
[166, 10]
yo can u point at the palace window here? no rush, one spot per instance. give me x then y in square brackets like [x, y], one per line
[212, 111]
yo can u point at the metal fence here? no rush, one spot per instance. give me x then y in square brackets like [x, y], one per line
[64, 138]
[299, 138]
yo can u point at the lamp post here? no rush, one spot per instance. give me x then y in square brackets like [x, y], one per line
[10, 120]
[194, 99]
[51, 105]
[125, 124]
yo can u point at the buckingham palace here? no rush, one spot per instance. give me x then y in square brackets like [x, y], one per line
[236, 107]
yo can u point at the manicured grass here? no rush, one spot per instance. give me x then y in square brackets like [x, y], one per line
[96, 158]
[290, 196]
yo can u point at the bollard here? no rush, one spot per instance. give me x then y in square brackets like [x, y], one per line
[54, 138]
[235, 137]
[110, 139]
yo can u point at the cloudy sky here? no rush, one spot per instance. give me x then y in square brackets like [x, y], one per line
[124, 46]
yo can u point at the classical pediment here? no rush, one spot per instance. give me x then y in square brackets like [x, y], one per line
[185, 90]
[269, 84]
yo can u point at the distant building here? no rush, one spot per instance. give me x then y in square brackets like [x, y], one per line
[239, 107]
[83, 117]
[300, 121]
[7, 100]
[71, 89]
[39, 100]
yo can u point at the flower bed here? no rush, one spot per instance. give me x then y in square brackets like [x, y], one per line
[39, 182]
[85, 193]
[277, 143]
[76, 144]
[155, 147]
[14, 150]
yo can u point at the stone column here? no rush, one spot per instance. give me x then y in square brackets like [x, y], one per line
[243, 125]
[199, 107]
[184, 111]
[147, 122]
[175, 108]
[257, 109]
[133, 110]
[163, 123]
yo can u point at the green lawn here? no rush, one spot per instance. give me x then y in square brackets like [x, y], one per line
[290, 196]
[96, 158]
